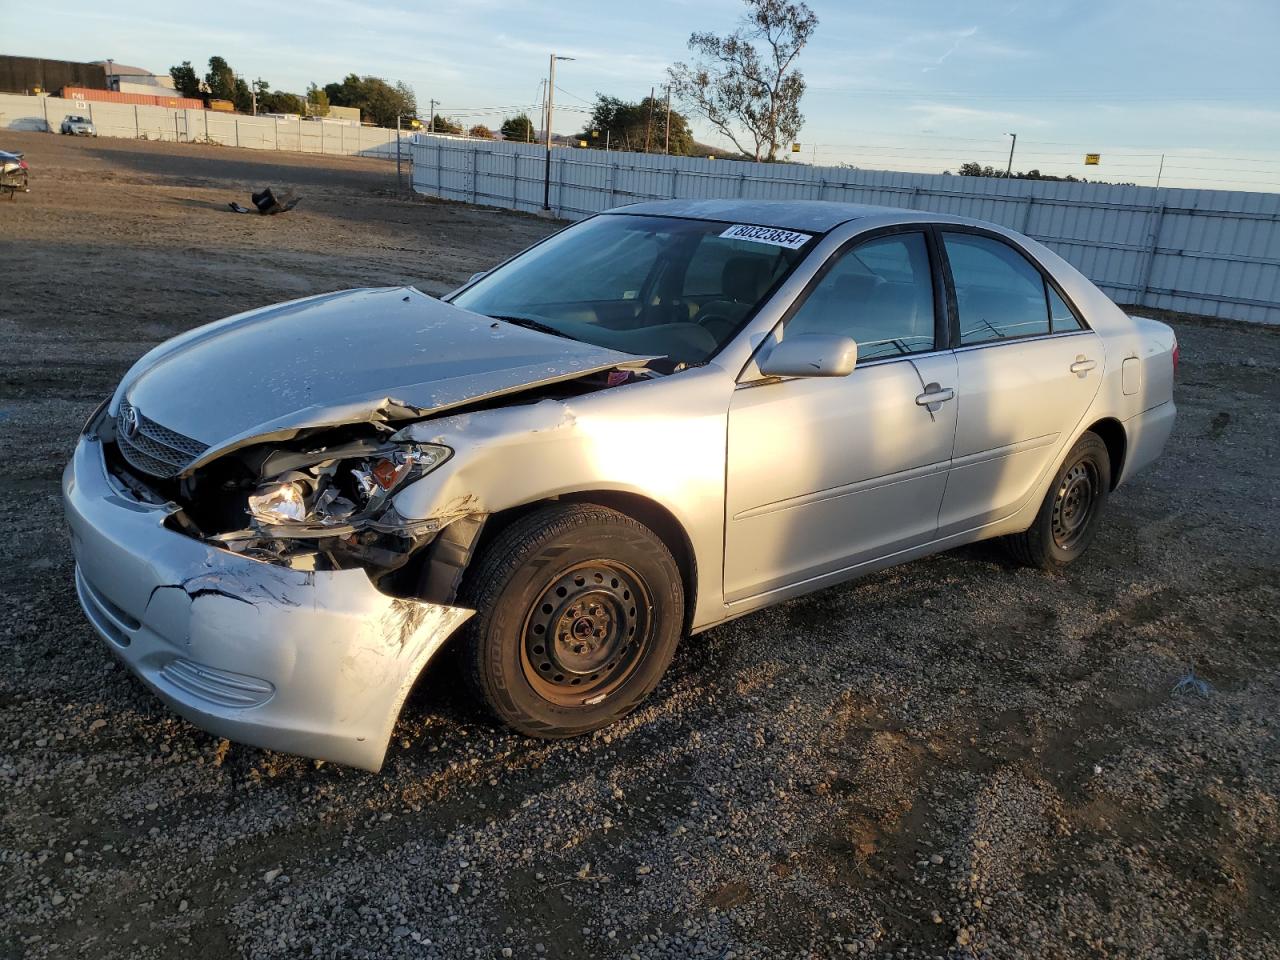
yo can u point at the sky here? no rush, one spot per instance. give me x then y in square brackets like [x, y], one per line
[916, 85]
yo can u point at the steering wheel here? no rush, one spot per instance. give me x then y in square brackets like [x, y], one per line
[716, 319]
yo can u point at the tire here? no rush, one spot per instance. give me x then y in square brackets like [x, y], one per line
[579, 612]
[1068, 518]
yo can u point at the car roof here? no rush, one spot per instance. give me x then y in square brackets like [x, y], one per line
[818, 216]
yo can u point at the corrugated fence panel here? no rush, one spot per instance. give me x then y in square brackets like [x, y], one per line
[1213, 252]
[144, 122]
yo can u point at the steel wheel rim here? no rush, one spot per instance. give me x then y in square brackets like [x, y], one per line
[1075, 504]
[586, 633]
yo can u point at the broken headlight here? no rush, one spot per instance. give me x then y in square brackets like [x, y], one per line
[339, 492]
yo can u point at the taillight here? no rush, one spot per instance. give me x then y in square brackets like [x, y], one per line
[23, 165]
[1175, 357]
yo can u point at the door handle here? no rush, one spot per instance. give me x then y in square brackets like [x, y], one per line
[1083, 365]
[935, 394]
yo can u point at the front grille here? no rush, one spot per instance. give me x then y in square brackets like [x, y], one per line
[154, 449]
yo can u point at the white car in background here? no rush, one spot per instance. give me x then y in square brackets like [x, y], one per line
[78, 126]
[654, 421]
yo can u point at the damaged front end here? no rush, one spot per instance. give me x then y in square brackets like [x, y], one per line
[321, 503]
[312, 651]
[321, 500]
[261, 579]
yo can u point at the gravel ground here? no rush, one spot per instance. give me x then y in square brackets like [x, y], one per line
[953, 758]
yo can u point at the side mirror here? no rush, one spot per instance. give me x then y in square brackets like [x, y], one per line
[811, 355]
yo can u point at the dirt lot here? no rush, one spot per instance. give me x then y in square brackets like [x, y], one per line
[958, 756]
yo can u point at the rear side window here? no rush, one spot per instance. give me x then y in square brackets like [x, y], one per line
[1062, 318]
[999, 294]
[880, 293]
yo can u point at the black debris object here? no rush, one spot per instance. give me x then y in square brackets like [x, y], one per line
[267, 203]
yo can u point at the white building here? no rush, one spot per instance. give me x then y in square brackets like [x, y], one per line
[123, 78]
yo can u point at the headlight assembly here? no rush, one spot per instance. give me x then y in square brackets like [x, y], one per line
[339, 492]
[279, 503]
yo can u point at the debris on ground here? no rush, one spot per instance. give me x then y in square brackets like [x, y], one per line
[267, 203]
[1189, 683]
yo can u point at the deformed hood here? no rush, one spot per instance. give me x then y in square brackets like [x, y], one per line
[359, 355]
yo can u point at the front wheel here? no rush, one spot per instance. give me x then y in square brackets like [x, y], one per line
[579, 612]
[1068, 517]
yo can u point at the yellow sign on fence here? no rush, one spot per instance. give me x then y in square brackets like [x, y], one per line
[1092, 159]
[795, 148]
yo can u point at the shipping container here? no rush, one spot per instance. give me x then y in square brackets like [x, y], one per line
[110, 96]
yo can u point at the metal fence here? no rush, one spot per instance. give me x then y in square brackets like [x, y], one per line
[138, 121]
[1214, 252]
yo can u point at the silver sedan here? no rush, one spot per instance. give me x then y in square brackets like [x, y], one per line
[77, 126]
[651, 422]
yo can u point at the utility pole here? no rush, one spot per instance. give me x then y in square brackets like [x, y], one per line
[648, 121]
[257, 85]
[1160, 172]
[551, 93]
[399, 183]
[431, 124]
[1008, 172]
[666, 145]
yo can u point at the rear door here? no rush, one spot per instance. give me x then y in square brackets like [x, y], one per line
[1027, 370]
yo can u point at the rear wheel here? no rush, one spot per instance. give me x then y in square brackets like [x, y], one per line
[579, 612]
[1068, 517]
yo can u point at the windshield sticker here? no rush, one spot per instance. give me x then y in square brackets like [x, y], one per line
[770, 235]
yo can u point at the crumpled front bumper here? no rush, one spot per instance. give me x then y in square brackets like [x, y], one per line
[316, 663]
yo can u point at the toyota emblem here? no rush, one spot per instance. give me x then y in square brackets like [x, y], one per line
[129, 422]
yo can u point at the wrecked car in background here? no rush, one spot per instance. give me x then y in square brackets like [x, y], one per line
[651, 422]
[14, 174]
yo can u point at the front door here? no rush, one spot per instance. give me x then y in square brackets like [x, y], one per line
[825, 473]
[1029, 370]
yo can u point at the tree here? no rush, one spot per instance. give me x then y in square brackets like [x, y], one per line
[223, 84]
[972, 169]
[277, 101]
[441, 124]
[379, 102]
[746, 84]
[220, 80]
[317, 102]
[519, 128]
[185, 80]
[480, 130]
[623, 125]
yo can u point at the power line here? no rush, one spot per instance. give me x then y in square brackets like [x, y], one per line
[574, 95]
[1085, 96]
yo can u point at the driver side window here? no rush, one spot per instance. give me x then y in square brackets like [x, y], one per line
[880, 293]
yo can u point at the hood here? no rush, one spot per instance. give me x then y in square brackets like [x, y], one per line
[359, 355]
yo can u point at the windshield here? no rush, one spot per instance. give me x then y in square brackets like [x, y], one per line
[657, 286]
